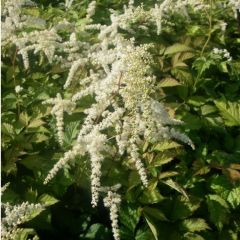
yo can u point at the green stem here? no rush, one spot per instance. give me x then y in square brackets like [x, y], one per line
[210, 28]
[14, 80]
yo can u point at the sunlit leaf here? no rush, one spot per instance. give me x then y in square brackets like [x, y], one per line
[194, 225]
[176, 48]
[151, 226]
[230, 111]
[176, 186]
[168, 82]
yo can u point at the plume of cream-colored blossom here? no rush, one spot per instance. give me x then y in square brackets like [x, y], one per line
[112, 201]
[91, 9]
[4, 187]
[126, 86]
[59, 107]
[45, 40]
[235, 5]
[68, 3]
[14, 215]
[129, 80]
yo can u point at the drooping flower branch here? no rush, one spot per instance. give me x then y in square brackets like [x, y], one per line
[112, 201]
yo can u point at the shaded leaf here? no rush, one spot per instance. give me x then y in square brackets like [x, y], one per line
[155, 213]
[129, 216]
[218, 209]
[143, 234]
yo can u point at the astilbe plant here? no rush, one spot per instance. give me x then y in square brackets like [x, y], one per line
[123, 91]
[126, 111]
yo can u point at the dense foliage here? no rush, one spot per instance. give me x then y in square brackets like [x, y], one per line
[171, 73]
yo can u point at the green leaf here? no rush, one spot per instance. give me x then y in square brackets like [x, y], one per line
[143, 234]
[218, 209]
[168, 82]
[186, 55]
[167, 174]
[229, 234]
[194, 225]
[39, 138]
[184, 75]
[151, 196]
[166, 145]
[71, 132]
[223, 67]
[202, 64]
[125, 233]
[129, 216]
[230, 112]
[31, 11]
[35, 123]
[192, 236]
[191, 121]
[155, 212]
[208, 109]
[176, 48]
[234, 197]
[47, 199]
[24, 118]
[8, 129]
[9, 101]
[197, 100]
[163, 158]
[176, 186]
[97, 231]
[221, 186]
[133, 180]
[151, 226]
[24, 234]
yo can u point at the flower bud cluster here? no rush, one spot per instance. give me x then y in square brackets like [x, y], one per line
[222, 53]
[18, 89]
